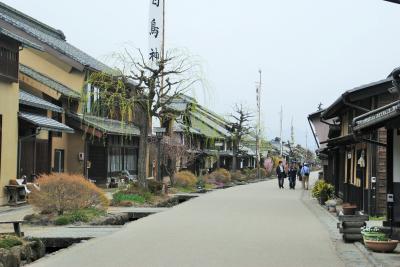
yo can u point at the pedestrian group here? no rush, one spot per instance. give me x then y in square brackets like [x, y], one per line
[293, 172]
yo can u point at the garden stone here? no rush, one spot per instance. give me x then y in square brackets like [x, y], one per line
[26, 253]
[8, 259]
[16, 255]
[117, 219]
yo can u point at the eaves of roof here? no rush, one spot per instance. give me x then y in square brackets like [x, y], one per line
[51, 83]
[355, 94]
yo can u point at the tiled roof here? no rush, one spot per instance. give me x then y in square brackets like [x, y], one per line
[34, 101]
[212, 124]
[50, 36]
[45, 123]
[22, 40]
[205, 129]
[62, 89]
[107, 125]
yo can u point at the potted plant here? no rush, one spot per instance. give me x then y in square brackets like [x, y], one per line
[377, 240]
[323, 191]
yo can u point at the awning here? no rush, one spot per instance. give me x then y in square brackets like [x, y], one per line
[106, 126]
[37, 102]
[341, 140]
[45, 123]
[49, 82]
[377, 118]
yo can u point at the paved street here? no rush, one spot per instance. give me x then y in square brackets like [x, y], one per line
[252, 225]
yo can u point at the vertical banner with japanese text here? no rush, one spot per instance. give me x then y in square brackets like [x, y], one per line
[155, 30]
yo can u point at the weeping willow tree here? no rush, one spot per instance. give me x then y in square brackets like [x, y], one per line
[141, 89]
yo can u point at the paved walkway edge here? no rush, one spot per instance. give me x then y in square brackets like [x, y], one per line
[314, 206]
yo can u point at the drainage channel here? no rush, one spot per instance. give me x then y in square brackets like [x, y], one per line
[61, 238]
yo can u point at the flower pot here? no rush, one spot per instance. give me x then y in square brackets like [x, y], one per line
[349, 210]
[381, 246]
[323, 199]
[373, 236]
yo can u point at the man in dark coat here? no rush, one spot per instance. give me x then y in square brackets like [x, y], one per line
[280, 172]
[292, 173]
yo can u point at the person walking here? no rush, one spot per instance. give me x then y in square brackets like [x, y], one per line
[292, 173]
[280, 172]
[305, 175]
[299, 172]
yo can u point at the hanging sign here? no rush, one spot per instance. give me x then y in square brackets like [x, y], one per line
[155, 30]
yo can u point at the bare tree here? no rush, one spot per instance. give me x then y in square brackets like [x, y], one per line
[141, 89]
[175, 155]
[241, 127]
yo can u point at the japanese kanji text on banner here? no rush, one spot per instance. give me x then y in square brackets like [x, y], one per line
[155, 30]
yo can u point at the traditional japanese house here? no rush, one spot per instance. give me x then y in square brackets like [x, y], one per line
[352, 162]
[385, 117]
[58, 73]
[10, 47]
[208, 135]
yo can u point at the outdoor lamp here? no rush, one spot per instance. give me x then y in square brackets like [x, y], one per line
[160, 131]
[159, 134]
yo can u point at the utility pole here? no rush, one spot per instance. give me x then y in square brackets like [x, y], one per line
[306, 156]
[292, 132]
[258, 125]
[280, 131]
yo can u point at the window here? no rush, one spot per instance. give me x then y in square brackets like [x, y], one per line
[114, 159]
[93, 96]
[58, 117]
[58, 160]
[130, 160]
[9, 58]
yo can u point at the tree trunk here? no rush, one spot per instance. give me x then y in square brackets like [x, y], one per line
[143, 152]
[234, 158]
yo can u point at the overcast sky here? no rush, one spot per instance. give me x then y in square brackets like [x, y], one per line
[309, 50]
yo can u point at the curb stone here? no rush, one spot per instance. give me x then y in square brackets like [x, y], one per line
[367, 254]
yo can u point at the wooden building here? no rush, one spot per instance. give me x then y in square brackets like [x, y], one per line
[352, 161]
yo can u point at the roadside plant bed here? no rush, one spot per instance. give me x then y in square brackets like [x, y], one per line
[376, 240]
[134, 196]
[72, 217]
[16, 251]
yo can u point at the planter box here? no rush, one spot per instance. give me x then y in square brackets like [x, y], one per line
[381, 246]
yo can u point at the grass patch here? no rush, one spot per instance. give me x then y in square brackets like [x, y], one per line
[377, 218]
[9, 241]
[185, 189]
[81, 215]
[119, 197]
[138, 197]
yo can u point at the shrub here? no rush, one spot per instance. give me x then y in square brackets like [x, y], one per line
[62, 220]
[65, 192]
[82, 215]
[252, 174]
[185, 179]
[154, 186]
[238, 176]
[8, 241]
[322, 188]
[269, 166]
[221, 176]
